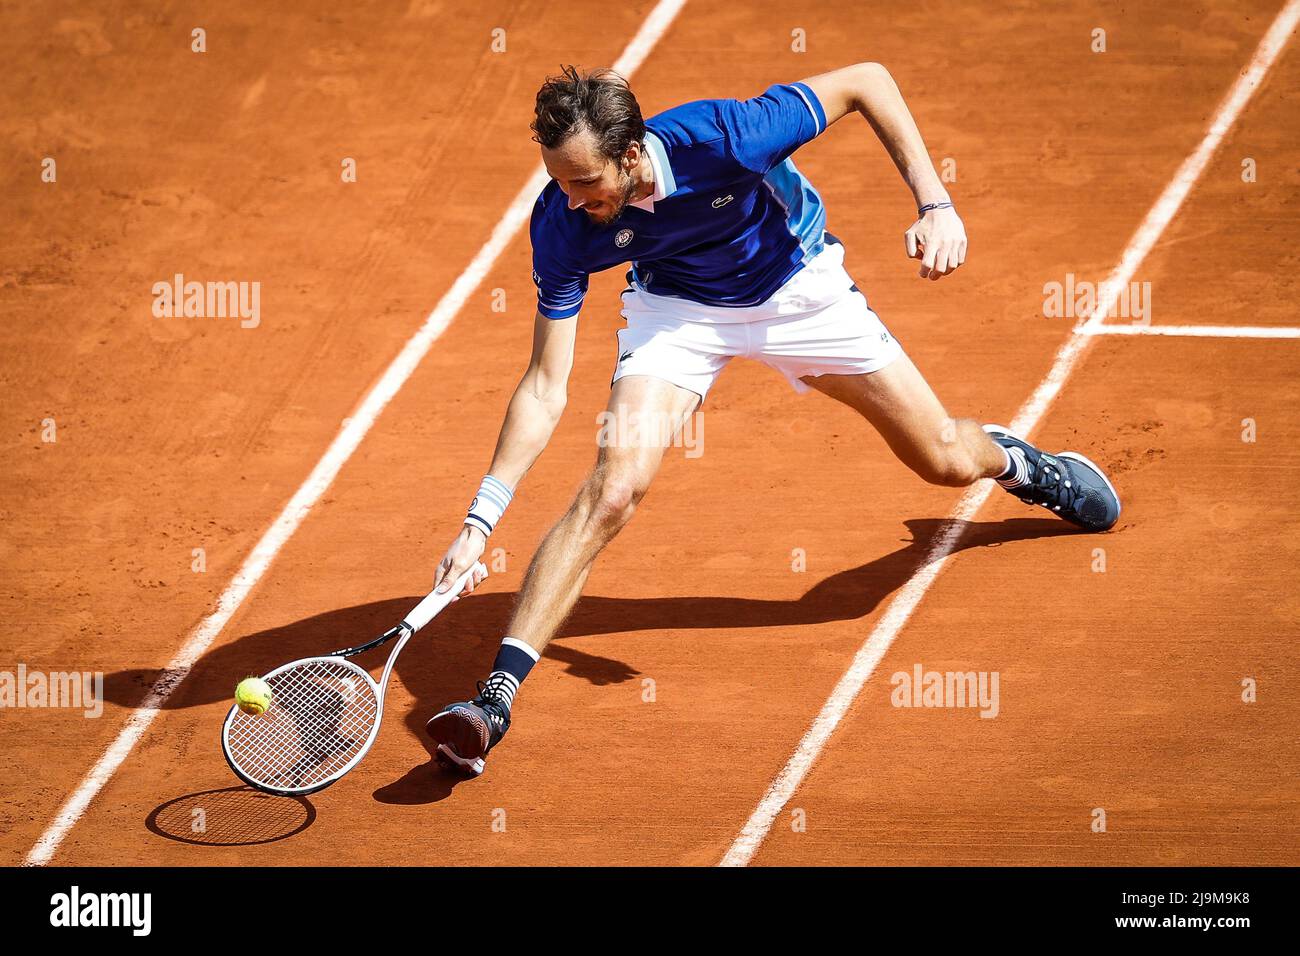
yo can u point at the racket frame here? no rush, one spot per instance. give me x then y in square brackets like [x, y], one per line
[420, 615]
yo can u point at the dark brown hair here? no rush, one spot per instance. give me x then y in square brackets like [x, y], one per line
[599, 101]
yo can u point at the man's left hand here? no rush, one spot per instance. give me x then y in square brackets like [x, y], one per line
[938, 239]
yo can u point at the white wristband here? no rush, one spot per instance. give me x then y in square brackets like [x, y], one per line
[489, 504]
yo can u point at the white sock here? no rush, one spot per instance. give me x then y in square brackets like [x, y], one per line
[1018, 477]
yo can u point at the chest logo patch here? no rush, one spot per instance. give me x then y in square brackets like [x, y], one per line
[722, 201]
[623, 238]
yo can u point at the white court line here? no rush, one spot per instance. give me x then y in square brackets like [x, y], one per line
[339, 451]
[910, 594]
[1199, 331]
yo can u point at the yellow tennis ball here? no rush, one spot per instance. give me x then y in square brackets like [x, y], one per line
[253, 696]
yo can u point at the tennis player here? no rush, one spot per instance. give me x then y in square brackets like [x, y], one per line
[730, 257]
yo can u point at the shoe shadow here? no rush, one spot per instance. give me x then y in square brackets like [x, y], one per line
[424, 783]
[441, 664]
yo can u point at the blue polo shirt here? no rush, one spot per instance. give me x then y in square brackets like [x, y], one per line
[731, 218]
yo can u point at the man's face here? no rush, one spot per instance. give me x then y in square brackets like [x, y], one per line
[598, 186]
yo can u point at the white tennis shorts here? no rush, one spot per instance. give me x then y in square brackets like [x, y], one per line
[818, 323]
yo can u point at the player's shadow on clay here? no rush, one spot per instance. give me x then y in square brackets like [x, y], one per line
[442, 663]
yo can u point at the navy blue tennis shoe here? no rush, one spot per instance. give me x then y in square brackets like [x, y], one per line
[1066, 484]
[466, 731]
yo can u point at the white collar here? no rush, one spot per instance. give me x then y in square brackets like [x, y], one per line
[654, 151]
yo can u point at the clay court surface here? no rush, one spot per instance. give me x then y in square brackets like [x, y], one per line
[1120, 689]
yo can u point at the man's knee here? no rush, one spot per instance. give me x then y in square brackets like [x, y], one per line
[953, 472]
[949, 463]
[612, 495]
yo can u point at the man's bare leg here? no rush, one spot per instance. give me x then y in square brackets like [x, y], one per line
[953, 451]
[645, 415]
[899, 402]
[624, 469]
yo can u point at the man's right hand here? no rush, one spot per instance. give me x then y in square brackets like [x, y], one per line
[463, 553]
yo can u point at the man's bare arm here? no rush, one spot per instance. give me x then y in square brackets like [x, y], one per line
[538, 401]
[938, 237]
[531, 417]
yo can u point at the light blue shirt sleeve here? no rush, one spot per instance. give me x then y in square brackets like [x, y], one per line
[765, 130]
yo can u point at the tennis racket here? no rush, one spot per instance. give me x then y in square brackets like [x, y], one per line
[324, 715]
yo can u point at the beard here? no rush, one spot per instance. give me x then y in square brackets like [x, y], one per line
[627, 188]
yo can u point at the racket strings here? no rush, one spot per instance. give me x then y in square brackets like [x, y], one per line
[321, 715]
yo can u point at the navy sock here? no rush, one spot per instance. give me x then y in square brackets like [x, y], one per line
[514, 660]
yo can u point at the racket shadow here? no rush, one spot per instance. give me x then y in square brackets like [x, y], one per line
[230, 817]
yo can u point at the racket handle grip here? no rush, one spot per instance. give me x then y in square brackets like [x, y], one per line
[426, 610]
